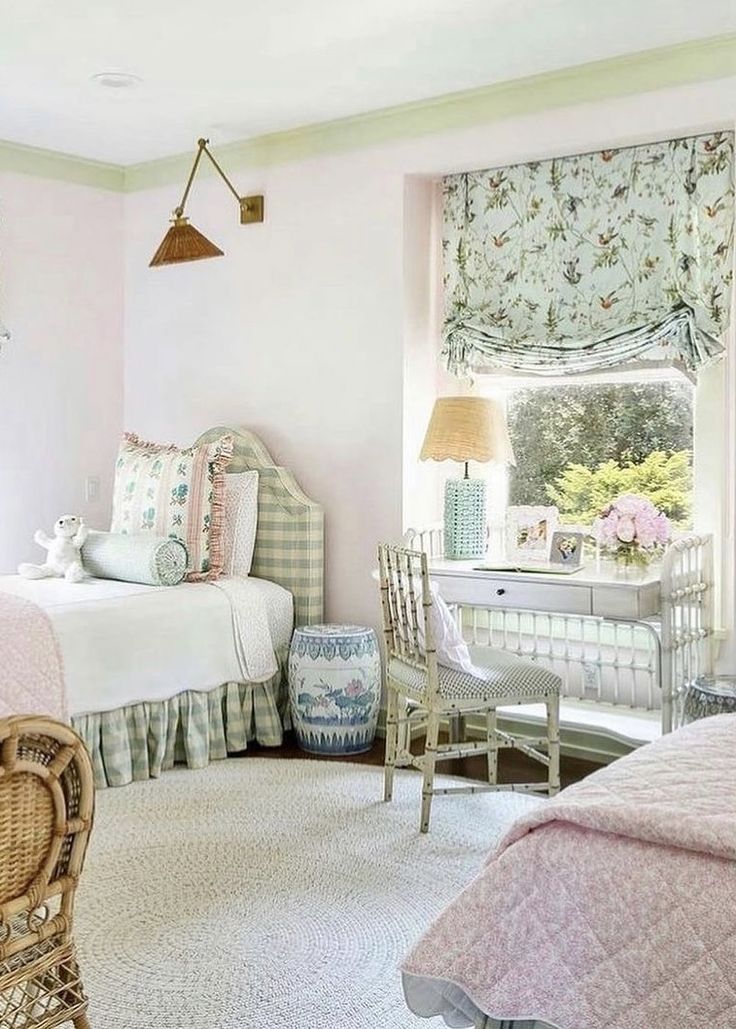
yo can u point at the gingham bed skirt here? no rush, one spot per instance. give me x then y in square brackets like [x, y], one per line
[192, 728]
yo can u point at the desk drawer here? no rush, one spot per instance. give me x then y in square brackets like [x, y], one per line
[638, 602]
[498, 592]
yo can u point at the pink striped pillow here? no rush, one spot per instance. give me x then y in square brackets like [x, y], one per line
[167, 491]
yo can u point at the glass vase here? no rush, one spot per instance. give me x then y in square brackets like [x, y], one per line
[631, 562]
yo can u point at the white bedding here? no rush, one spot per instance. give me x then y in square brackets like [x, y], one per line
[123, 643]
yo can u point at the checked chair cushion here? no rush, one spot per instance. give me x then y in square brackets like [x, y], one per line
[496, 675]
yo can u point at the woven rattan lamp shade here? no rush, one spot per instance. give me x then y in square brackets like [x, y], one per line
[183, 243]
[467, 429]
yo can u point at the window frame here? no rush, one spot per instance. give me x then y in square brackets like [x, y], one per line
[714, 478]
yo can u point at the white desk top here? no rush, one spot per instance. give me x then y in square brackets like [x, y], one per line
[592, 574]
[594, 590]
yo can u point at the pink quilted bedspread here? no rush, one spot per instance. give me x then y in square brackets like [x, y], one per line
[613, 905]
[31, 677]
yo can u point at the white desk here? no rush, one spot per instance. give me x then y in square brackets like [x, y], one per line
[591, 591]
[672, 602]
[598, 593]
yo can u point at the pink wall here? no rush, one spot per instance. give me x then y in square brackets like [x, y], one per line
[296, 333]
[61, 296]
[313, 329]
[299, 331]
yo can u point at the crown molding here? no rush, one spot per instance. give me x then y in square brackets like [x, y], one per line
[696, 61]
[49, 164]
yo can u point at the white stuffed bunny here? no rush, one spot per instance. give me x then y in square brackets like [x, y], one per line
[63, 551]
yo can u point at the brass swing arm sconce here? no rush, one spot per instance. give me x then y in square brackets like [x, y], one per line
[185, 243]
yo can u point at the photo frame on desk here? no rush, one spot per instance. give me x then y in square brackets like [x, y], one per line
[529, 532]
[566, 550]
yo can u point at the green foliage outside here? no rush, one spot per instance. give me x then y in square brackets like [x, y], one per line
[580, 493]
[579, 447]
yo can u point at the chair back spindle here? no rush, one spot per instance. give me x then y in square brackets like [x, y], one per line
[406, 601]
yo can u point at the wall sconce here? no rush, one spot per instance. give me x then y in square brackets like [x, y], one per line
[185, 243]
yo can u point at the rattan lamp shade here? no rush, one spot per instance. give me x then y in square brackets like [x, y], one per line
[183, 243]
[466, 429]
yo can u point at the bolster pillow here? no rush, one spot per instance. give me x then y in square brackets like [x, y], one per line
[140, 557]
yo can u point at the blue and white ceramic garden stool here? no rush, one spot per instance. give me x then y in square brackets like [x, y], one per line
[334, 688]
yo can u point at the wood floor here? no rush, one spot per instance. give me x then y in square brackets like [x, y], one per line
[512, 766]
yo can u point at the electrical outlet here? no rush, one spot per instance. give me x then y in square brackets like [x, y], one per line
[92, 489]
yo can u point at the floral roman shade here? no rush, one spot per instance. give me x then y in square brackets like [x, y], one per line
[578, 264]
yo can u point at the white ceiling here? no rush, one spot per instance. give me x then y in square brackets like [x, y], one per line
[232, 69]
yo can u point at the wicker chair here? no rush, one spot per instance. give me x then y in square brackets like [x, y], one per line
[420, 690]
[46, 809]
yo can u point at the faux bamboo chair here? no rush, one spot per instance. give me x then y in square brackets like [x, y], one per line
[46, 809]
[413, 677]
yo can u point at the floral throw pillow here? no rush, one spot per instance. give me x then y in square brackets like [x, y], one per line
[166, 491]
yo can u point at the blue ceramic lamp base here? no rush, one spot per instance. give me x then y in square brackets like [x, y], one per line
[465, 519]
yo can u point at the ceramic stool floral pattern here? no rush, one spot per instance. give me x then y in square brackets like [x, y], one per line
[334, 688]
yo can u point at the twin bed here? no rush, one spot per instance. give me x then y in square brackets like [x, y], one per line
[158, 674]
[612, 906]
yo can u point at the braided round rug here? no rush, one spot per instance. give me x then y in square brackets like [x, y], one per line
[260, 892]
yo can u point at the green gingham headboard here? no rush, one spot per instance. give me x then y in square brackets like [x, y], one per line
[290, 538]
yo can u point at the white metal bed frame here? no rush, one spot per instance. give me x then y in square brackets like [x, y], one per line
[642, 665]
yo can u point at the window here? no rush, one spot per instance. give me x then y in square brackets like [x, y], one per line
[579, 443]
[654, 432]
[580, 446]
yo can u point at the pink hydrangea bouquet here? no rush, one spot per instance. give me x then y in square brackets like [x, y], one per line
[633, 530]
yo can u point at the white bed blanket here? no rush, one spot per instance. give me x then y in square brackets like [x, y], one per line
[123, 643]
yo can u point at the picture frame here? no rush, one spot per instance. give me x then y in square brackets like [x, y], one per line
[529, 532]
[566, 548]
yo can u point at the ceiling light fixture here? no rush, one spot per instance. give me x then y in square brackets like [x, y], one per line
[185, 243]
[116, 79]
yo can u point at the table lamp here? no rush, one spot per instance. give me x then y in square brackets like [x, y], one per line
[466, 429]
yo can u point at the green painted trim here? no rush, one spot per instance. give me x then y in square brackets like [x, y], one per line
[48, 164]
[696, 61]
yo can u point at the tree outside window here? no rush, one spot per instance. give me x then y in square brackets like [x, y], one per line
[578, 447]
